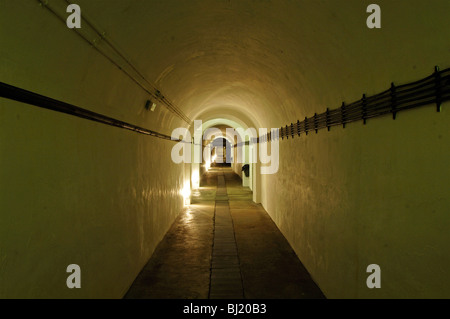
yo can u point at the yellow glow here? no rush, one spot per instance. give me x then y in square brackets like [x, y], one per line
[195, 179]
[186, 192]
[207, 165]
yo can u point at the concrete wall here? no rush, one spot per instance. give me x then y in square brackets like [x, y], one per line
[235, 166]
[74, 191]
[344, 198]
[368, 194]
[374, 194]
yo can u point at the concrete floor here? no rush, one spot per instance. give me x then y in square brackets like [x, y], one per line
[224, 247]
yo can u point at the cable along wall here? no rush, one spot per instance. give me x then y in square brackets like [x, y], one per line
[434, 89]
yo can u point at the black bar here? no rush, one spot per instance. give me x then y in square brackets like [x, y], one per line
[438, 88]
[434, 89]
[315, 122]
[343, 114]
[364, 109]
[28, 97]
[393, 101]
[306, 125]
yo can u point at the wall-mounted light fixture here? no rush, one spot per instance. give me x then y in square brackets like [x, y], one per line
[149, 105]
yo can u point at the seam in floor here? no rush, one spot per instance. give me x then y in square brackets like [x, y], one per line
[224, 288]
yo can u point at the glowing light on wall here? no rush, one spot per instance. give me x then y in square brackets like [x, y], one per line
[207, 165]
[195, 178]
[186, 192]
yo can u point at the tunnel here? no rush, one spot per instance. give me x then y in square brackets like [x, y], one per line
[333, 115]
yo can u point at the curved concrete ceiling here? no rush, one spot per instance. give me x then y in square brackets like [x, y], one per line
[221, 124]
[270, 61]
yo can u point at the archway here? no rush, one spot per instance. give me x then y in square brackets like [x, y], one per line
[238, 134]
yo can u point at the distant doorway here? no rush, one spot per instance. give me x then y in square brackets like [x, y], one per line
[221, 153]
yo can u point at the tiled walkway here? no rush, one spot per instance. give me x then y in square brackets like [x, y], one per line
[224, 246]
[226, 280]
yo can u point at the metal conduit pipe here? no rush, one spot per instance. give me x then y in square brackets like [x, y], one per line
[156, 95]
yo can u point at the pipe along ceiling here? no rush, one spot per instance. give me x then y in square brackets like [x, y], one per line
[91, 194]
[267, 63]
[273, 61]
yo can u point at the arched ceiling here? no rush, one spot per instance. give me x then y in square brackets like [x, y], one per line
[269, 62]
[223, 125]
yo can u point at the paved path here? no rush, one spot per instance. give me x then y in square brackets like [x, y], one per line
[224, 246]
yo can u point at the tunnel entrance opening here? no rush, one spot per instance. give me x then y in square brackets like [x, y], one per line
[233, 133]
[221, 149]
[221, 153]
